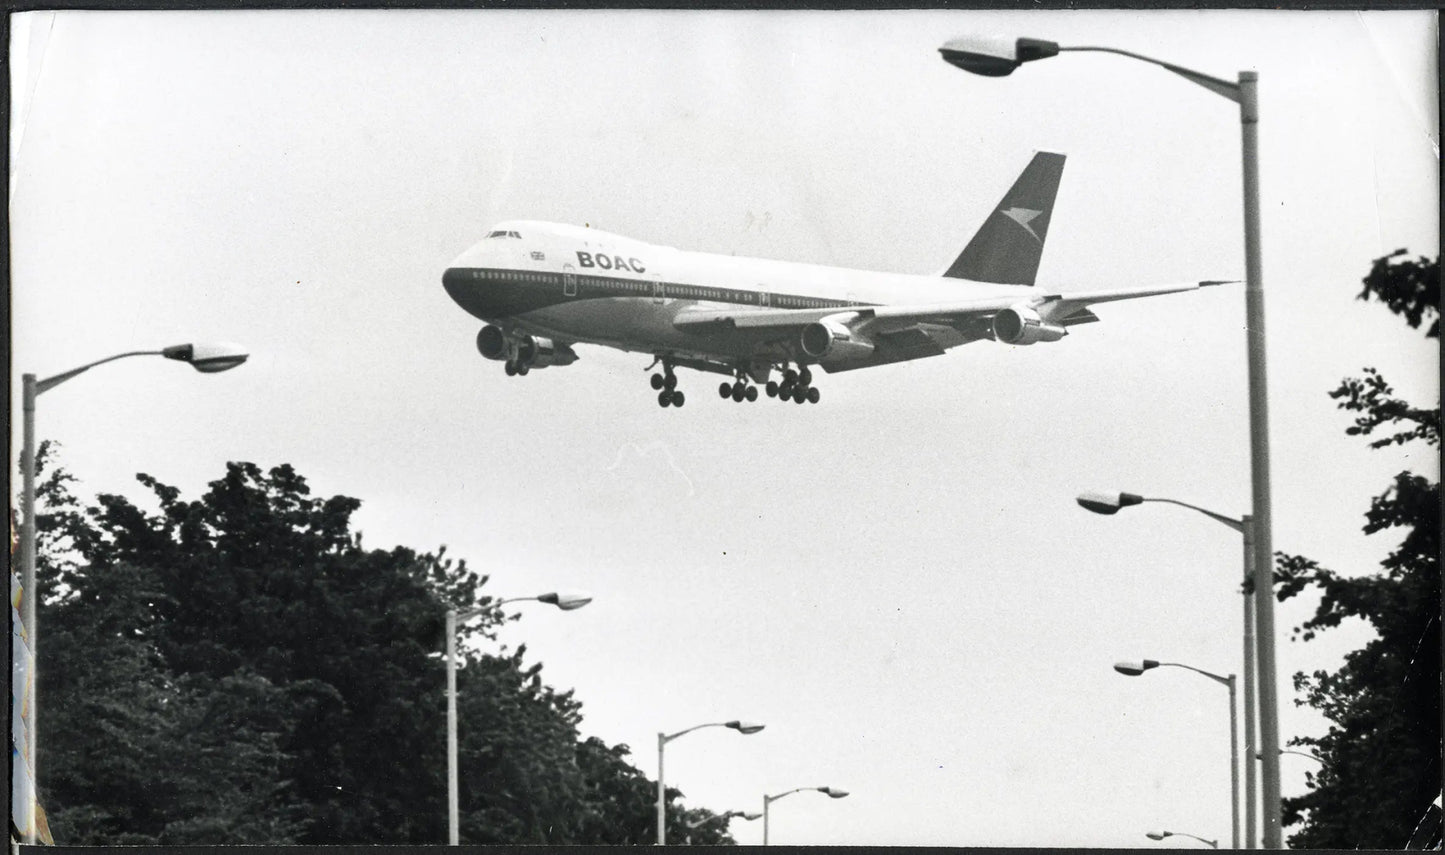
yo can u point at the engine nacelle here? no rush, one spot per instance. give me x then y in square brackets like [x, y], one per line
[532, 351]
[1022, 325]
[827, 340]
[540, 352]
[493, 343]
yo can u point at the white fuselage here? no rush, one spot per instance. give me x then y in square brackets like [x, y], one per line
[580, 284]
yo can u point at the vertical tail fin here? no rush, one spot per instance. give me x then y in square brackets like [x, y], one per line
[1008, 246]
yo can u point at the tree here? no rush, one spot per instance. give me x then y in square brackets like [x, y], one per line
[238, 669]
[1381, 757]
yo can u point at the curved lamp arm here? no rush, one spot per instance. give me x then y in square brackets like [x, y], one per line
[831, 792]
[206, 358]
[565, 601]
[995, 56]
[1134, 669]
[747, 815]
[744, 727]
[1237, 525]
[1213, 84]
[1160, 835]
[1110, 503]
[52, 382]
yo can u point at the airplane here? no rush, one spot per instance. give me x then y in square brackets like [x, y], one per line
[544, 287]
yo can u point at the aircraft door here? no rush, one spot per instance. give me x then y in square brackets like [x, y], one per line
[569, 280]
[762, 295]
[656, 289]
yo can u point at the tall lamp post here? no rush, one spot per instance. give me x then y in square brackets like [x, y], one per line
[830, 792]
[997, 57]
[206, 358]
[1110, 503]
[564, 601]
[1160, 835]
[743, 727]
[1134, 669]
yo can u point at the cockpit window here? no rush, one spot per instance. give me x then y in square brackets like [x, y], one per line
[503, 234]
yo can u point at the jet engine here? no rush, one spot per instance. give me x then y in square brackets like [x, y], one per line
[540, 352]
[829, 340]
[1022, 325]
[523, 349]
[493, 343]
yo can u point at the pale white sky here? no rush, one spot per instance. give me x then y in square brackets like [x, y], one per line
[897, 581]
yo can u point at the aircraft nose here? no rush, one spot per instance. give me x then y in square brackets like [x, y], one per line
[458, 283]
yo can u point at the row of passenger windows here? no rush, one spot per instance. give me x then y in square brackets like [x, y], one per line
[502, 233]
[669, 290]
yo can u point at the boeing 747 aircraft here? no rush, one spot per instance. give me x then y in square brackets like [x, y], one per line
[543, 287]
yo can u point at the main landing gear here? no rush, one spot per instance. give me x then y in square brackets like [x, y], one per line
[666, 382]
[517, 368]
[739, 390]
[797, 386]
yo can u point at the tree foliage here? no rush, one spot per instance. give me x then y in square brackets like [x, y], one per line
[238, 669]
[1381, 757]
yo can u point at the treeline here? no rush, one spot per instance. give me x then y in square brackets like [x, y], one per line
[238, 669]
[1380, 760]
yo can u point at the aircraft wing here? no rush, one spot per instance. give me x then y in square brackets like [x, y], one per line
[1059, 306]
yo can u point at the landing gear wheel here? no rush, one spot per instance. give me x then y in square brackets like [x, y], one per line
[657, 381]
[725, 390]
[789, 375]
[664, 399]
[805, 376]
[739, 391]
[522, 369]
[813, 395]
[785, 391]
[772, 389]
[511, 368]
[752, 393]
[678, 398]
[800, 395]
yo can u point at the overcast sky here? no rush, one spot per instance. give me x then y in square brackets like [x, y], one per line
[897, 580]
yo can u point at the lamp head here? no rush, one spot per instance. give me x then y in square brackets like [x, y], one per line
[748, 815]
[833, 792]
[744, 726]
[566, 600]
[994, 56]
[1107, 503]
[1134, 669]
[1156, 835]
[208, 358]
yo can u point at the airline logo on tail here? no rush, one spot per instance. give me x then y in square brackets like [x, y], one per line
[999, 253]
[1023, 216]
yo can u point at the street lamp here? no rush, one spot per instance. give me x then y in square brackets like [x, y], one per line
[830, 792]
[745, 814]
[1109, 504]
[1134, 669]
[743, 727]
[206, 358]
[997, 57]
[1160, 835]
[564, 601]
